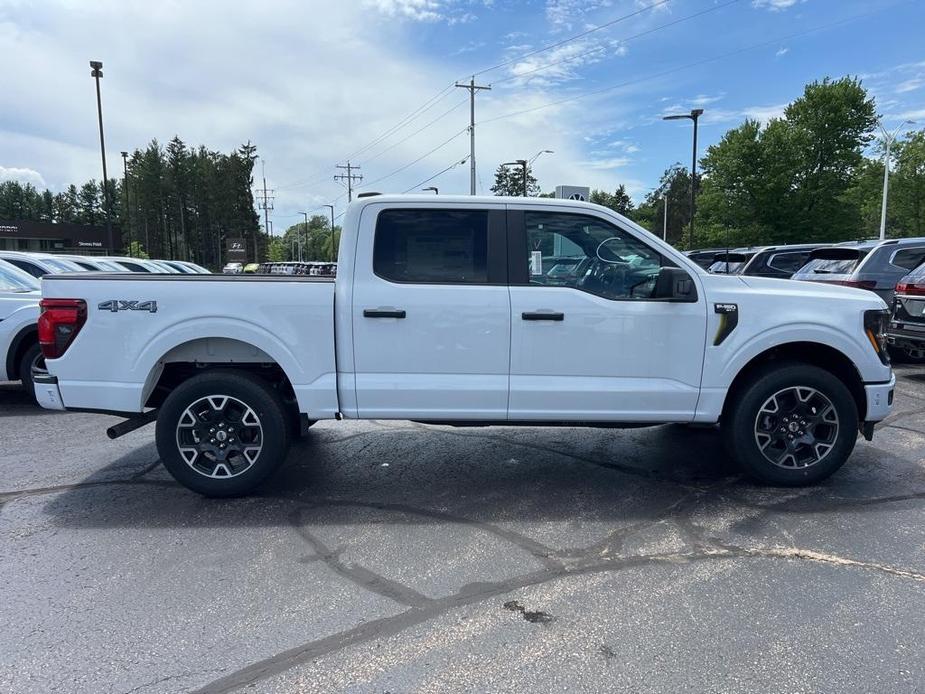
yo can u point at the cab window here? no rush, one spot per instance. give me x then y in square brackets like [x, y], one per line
[589, 254]
[432, 246]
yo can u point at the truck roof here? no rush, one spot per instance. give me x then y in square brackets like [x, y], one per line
[392, 198]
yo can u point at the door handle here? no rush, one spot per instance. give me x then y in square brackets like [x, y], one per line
[542, 315]
[383, 313]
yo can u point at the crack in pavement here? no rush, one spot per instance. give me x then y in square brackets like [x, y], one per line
[134, 478]
[392, 625]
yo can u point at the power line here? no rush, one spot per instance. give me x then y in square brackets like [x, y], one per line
[592, 30]
[416, 132]
[423, 156]
[577, 56]
[404, 121]
[686, 66]
[439, 173]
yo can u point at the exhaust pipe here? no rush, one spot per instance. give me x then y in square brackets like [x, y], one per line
[123, 428]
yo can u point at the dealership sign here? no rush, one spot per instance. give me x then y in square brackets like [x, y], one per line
[89, 244]
[235, 249]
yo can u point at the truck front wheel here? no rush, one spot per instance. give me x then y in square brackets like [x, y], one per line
[222, 433]
[791, 425]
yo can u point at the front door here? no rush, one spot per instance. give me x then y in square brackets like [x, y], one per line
[431, 313]
[588, 341]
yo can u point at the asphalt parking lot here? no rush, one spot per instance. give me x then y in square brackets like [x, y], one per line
[392, 557]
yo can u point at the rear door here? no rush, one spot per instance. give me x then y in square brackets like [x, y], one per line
[431, 313]
[593, 345]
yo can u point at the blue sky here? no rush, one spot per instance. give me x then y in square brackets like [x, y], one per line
[311, 83]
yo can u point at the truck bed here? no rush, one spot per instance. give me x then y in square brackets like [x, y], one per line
[141, 324]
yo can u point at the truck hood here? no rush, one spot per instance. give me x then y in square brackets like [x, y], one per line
[800, 290]
[11, 302]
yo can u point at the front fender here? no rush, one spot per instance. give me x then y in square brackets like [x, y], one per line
[859, 352]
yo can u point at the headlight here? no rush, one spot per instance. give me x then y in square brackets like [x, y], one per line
[875, 325]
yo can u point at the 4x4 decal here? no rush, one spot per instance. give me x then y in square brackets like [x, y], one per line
[116, 305]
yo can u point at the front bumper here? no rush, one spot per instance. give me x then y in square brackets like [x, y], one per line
[46, 391]
[879, 399]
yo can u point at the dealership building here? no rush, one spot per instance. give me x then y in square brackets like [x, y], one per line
[48, 237]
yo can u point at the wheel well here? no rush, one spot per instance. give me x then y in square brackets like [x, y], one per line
[191, 358]
[814, 353]
[23, 341]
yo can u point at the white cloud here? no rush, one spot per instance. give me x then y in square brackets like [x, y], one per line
[764, 113]
[418, 10]
[910, 85]
[22, 175]
[775, 5]
[562, 63]
[781, 52]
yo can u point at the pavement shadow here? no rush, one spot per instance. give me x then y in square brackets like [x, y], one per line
[493, 474]
[15, 402]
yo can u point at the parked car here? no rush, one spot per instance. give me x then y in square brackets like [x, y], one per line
[778, 261]
[873, 265]
[729, 262]
[906, 334]
[38, 264]
[19, 311]
[139, 265]
[233, 269]
[94, 263]
[198, 269]
[436, 320]
[704, 256]
[251, 268]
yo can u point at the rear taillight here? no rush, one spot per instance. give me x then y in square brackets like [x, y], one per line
[875, 326]
[859, 284]
[59, 323]
[911, 288]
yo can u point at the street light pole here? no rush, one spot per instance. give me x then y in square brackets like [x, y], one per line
[694, 115]
[888, 139]
[333, 249]
[97, 72]
[128, 212]
[522, 163]
[665, 218]
[304, 233]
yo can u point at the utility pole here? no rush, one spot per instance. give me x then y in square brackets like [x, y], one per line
[350, 177]
[472, 87]
[303, 234]
[265, 203]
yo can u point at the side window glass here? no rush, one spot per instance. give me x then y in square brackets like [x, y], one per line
[909, 258]
[589, 254]
[432, 246]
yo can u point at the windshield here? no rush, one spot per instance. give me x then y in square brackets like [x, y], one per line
[12, 279]
[721, 267]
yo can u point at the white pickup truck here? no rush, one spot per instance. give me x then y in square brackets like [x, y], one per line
[470, 311]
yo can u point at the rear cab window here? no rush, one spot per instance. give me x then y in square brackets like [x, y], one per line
[440, 246]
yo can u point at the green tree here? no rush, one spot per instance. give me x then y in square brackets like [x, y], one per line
[509, 180]
[792, 180]
[619, 201]
[675, 185]
[89, 205]
[907, 187]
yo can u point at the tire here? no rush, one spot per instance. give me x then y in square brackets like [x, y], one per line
[26, 362]
[791, 425]
[222, 433]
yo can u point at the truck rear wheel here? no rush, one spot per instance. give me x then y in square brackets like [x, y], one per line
[31, 357]
[222, 433]
[791, 425]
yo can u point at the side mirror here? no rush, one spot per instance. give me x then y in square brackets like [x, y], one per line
[674, 284]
